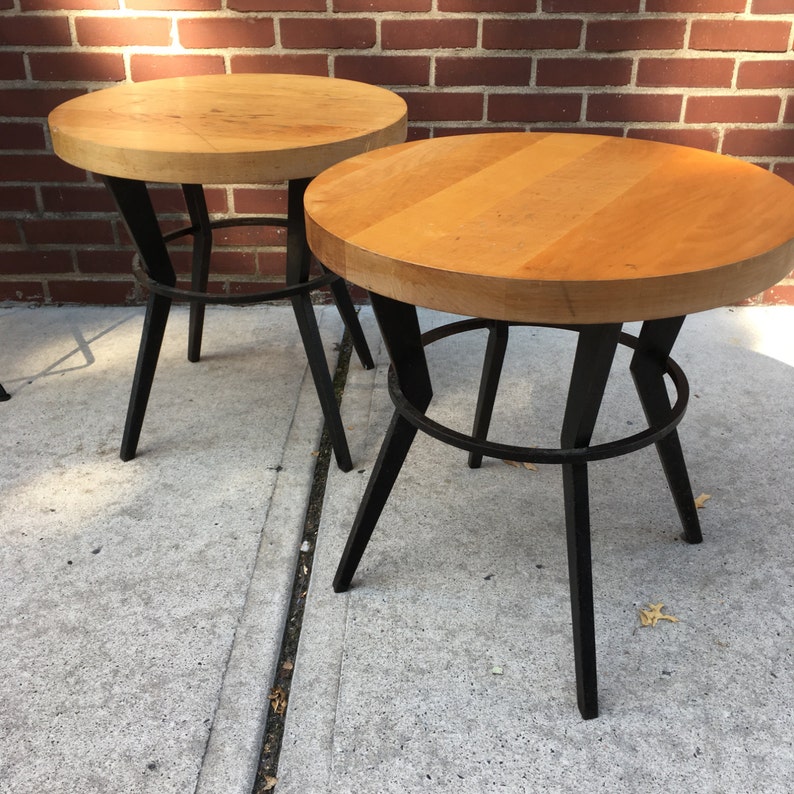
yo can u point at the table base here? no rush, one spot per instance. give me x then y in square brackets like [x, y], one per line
[411, 391]
[154, 269]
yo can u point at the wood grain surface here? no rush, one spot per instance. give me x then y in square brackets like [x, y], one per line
[225, 129]
[553, 227]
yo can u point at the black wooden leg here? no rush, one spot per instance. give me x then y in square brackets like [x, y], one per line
[400, 328]
[347, 311]
[4, 395]
[202, 250]
[594, 354]
[154, 323]
[298, 261]
[656, 340]
[135, 206]
[489, 383]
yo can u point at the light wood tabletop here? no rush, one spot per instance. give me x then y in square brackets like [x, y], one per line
[225, 129]
[553, 227]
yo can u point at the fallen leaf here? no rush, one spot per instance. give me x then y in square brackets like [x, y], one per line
[511, 463]
[270, 783]
[526, 465]
[288, 665]
[530, 466]
[653, 614]
[497, 670]
[702, 499]
[278, 700]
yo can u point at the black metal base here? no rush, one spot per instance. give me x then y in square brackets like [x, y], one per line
[153, 268]
[411, 392]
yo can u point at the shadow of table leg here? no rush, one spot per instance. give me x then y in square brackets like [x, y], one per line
[4, 395]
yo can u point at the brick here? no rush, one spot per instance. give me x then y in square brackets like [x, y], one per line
[29, 291]
[39, 262]
[531, 34]
[174, 5]
[586, 6]
[70, 5]
[696, 6]
[207, 33]
[82, 66]
[737, 109]
[772, 7]
[779, 295]
[9, 233]
[759, 143]
[22, 135]
[70, 199]
[12, 66]
[35, 31]
[644, 34]
[492, 6]
[276, 5]
[739, 35]
[63, 232]
[107, 31]
[27, 102]
[251, 236]
[260, 201]
[699, 139]
[42, 167]
[583, 71]
[688, 72]
[105, 293]
[788, 116]
[308, 63]
[387, 70]
[17, 199]
[534, 107]
[483, 71]
[151, 67]
[410, 34]
[316, 32]
[104, 260]
[434, 106]
[634, 107]
[407, 6]
[169, 199]
[766, 74]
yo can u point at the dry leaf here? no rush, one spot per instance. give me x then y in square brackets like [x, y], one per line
[702, 499]
[288, 665]
[653, 614]
[278, 700]
[270, 783]
[526, 465]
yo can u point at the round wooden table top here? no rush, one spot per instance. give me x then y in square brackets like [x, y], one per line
[225, 129]
[553, 227]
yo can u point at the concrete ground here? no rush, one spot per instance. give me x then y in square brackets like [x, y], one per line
[142, 604]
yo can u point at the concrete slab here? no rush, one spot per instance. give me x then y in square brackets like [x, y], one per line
[142, 603]
[448, 666]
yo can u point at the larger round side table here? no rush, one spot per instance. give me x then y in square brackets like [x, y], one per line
[225, 129]
[578, 231]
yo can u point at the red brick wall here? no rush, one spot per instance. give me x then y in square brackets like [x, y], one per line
[717, 74]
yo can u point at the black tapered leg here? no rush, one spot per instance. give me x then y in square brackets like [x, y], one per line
[349, 315]
[202, 251]
[135, 207]
[4, 395]
[594, 354]
[400, 329]
[298, 261]
[656, 340]
[489, 384]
